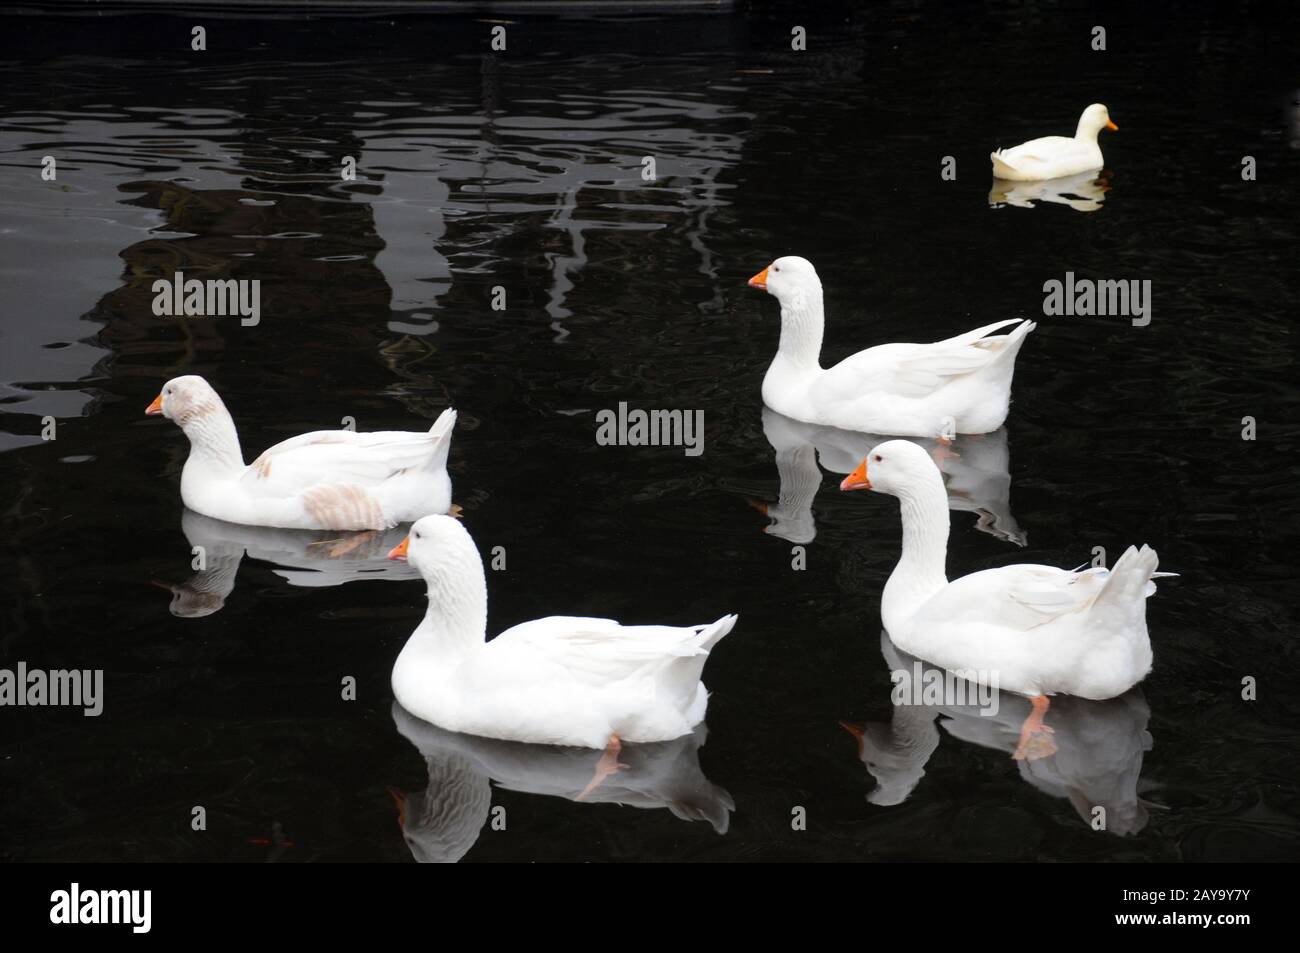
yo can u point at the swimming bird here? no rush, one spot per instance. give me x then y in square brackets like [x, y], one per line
[1054, 156]
[327, 479]
[1039, 630]
[561, 680]
[961, 385]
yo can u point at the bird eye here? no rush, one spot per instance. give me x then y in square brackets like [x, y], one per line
[417, 535]
[776, 269]
[879, 459]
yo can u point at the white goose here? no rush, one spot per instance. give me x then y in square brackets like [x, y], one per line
[561, 680]
[961, 385]
[328, 479]
[1054, 156]
[1039, 630]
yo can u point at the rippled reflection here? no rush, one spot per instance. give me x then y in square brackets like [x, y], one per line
[1097, 763]
[454, 194]
[1084, 192]
[975, 471]
[442, 822]
[311, 558]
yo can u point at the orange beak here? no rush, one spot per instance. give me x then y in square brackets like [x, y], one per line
[399, 551]
[759, 281]
[1111, 126]
[857, 480]
[154, 409]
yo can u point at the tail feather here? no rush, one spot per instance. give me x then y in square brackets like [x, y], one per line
[1001, 167]
[713, 633]
[976, 335]
[441, 432]
[1009, 344]
[683, 674]
[1124, 593]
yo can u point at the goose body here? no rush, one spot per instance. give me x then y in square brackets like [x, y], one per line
[960, 385]
[328, 479]
[1039, 630]
[560, 680]
[1052, 157]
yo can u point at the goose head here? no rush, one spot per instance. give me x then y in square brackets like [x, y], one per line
[445, 556]
[1094, 119]
[787, 279]
[186, 399]
[895, 467]
[439, 548]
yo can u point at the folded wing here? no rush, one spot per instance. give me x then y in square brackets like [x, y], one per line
[911, 370]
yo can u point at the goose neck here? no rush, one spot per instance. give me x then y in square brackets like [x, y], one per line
[802, 325]
[214, 442]
[920, 570]
[455, 621]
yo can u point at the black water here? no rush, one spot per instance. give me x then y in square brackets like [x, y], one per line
[523, 171]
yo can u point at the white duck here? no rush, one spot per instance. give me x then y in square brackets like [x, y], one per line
[328, 479]
[961, 385]
[561, 680]
[1038, 630]
[1054, 156]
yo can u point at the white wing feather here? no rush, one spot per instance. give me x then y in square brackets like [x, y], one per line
[909, 370]
[336, 456]
[600, 651]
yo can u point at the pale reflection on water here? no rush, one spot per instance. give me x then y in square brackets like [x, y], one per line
[1096, 767]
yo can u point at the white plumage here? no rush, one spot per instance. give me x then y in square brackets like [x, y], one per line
[959, 385]
[1036, 629]
[328, 479]
[560, 680]
[1054, 156]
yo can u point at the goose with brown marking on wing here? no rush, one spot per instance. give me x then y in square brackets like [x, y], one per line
[327, 479]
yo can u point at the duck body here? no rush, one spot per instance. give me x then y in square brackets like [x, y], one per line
[1036, 630]
[959, 385]
[1052, 157]
[327, 479]
[1041, 629]
[560, 680]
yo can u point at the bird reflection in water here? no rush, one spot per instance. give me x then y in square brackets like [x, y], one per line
[1096, 764]
[975, 468]
[310, 558]
[1085, 192]
[442, 822]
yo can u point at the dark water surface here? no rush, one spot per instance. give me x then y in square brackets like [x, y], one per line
[523, 170]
